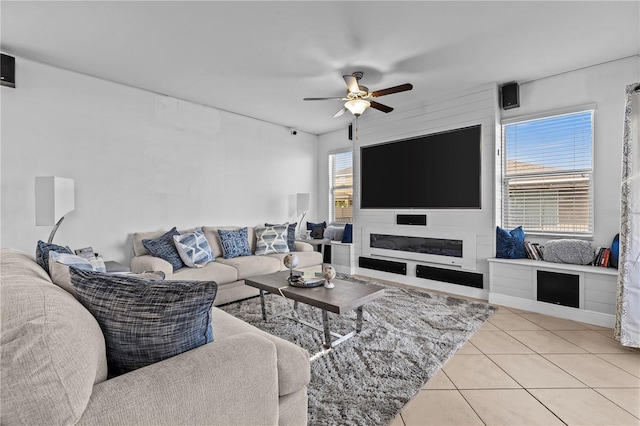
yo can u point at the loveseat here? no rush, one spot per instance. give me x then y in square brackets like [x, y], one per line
[228, 273]
[54, 366]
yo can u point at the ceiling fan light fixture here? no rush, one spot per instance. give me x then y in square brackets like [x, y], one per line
[357, 106]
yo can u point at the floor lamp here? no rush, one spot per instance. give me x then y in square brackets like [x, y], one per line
[54, 199]
[302, 206]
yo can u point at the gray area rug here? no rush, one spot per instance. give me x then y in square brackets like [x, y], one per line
[407, 336]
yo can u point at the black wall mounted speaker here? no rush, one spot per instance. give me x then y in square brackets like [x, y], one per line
[7, 70]
[350, 132]
[510, 95]
[411, 219]
[383, 265]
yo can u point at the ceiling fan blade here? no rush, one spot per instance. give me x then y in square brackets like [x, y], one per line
[352, 83]
[380, 107]
[390, 90]
[339, 113]
[324, 99]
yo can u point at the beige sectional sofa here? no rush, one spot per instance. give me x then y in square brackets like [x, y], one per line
[54, 367]
[228, 273]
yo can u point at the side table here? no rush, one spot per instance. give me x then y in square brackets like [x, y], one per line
[113, 266]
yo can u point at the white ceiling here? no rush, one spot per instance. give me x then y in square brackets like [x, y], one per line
[261, 58]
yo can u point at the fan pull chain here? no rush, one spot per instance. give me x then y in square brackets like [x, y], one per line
[356, 127]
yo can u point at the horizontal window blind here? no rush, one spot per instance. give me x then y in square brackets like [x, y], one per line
[547, 174]
[341, 187]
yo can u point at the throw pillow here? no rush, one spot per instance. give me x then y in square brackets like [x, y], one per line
[347, 237]
[144, 321]
[291, 235]
[272, 239]
[317, 231]
[193, 248]
[310, 225]
[42, 253]
[510, 244]
[334, 232]
[80, 262]
[234, 243]
[164, 248]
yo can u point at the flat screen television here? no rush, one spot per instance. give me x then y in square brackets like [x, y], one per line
[435, 171]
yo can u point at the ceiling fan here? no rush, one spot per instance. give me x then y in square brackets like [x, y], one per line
[358, 97]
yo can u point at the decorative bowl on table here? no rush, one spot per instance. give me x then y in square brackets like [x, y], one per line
[302, 282]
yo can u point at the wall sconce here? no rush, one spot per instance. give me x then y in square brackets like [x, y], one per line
[54, 199]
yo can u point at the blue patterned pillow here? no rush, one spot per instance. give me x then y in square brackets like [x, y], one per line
[144, 321]
[164, 248]
[234, 243]
[42, 253]
[291, 235]
[510, 244]
[271, 239]
[193, 248]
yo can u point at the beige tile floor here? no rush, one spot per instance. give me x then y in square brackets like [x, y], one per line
[523, 368]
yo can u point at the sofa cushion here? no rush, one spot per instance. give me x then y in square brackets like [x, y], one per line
[193, 248]
[510, 244]
[42, 253]
[235, 243]
[52, 349]
[293, 361]
[145, 322]
[250, 266]
[61, 276]
[272, 239]
[164, 248]
[212, 271]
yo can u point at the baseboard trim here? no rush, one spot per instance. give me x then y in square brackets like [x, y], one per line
[575, 314]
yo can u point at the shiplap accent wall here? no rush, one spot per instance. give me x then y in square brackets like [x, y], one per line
[457, 110]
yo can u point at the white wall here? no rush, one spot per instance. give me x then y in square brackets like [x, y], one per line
[603, 85]
[457, 110]
[141, 162]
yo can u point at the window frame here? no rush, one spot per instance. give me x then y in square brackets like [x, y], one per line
[502, 189]
[331, 181]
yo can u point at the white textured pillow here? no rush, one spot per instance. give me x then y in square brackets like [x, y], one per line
[334, 233]
[272, 239]
[59, 264]
[193, 248]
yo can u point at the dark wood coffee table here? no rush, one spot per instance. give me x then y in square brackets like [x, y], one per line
[344, 297]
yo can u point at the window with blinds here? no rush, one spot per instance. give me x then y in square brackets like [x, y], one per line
[547, 174]
[341, 187]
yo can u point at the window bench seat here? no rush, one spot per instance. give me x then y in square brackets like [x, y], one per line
[515, 283]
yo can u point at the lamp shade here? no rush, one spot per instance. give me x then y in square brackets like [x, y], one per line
[54, 199]
[302, 202]
[357, 106]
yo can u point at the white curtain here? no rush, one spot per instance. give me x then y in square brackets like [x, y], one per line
[627, 329]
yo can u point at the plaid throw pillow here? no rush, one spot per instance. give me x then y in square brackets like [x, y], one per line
[144, 321]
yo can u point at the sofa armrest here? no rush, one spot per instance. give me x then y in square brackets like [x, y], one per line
[147, 263]
[302, 246]
[231, 382]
